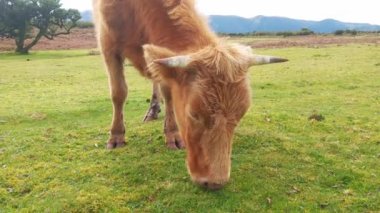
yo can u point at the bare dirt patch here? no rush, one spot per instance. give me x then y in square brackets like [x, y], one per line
[78, 39]
[85, 39]
[307, 41]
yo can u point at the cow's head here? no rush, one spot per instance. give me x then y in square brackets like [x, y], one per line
[211, 93]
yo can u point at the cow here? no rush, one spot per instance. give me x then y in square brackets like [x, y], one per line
[203, 79]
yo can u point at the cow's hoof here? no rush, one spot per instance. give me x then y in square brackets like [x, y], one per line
[116, 145]
[172, 146]
[152, 113]
[175, 144]
[180, 144]
[116, 141]
[150, 118]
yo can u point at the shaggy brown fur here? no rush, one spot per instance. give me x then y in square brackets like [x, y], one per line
[203, 80]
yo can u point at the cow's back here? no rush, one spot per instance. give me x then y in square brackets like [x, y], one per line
[115, 21]
[170, 23]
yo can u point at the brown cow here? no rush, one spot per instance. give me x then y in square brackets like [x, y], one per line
[203, 80]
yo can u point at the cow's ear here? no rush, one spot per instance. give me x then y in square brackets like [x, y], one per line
[163, 63]
[181, 61]
[153, 52]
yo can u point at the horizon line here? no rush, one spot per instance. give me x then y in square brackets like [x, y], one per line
[274, 16]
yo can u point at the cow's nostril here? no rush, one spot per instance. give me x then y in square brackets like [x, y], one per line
[215, 186]
[211, 186]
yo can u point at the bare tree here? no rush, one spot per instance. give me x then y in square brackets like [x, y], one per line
[34, 19]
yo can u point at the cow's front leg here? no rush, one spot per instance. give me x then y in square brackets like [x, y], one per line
[119, 92]
[172, 136]
[154, 109]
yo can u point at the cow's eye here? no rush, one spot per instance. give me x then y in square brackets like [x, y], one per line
[209, 122]
[201, 120]
[195, 116]
[232, 123]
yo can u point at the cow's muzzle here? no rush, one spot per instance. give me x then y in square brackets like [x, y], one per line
[210, 185]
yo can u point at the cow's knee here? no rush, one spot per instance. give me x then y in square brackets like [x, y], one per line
[119, 97]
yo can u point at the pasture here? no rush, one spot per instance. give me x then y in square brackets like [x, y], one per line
[310, 141]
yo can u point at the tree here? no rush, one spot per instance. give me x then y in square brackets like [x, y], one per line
[339, 32]
[34, 19]
[306, 31]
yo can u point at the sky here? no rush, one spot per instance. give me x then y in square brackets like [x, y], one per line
[358, 11]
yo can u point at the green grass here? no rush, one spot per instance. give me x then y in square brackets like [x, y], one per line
[55, 114]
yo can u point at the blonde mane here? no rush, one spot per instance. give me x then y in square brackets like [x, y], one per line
[227, 61]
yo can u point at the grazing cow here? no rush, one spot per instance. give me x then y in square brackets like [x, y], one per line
[202, 79]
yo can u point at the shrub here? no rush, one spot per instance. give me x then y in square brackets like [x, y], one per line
[339, 32]
[85, 24]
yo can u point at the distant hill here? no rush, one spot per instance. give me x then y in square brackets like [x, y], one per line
[236, 24]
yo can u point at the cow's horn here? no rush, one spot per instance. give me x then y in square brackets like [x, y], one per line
[265, 59]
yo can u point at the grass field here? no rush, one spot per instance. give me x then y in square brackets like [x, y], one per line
[55, 114]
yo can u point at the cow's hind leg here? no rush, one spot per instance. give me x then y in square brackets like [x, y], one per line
[119, 92]
[135, 55]
[154, 109]
[172, 136]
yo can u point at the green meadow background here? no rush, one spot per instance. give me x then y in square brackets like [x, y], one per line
[310, 141]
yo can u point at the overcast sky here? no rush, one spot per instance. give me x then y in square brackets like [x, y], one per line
[361, 11]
